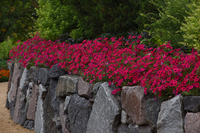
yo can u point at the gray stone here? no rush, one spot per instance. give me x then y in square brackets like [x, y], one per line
[192, 123]
[23, 116]
[67, 85]
[170, 118]
[133, 102]
[7, 103]
[24, 105]
[152, 109]
[23, 79]
[191, 103]
[42, 75]
[144, 129]
[56, 71]
[54, 100]
[31, 74]
[84, 88]
[64, 119]
[123, 117]
[30, 125]
[12, 108]
[122, 128]
[105, 113]
[26, 123]
[49, 113]
[39, 115]
[33, 102]
[15, 82]
[96, 87]
[17, 107]
[78, 113]
[58, 122]
[133, 128]
[67, 100]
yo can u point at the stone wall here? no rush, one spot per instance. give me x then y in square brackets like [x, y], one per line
[51, 101]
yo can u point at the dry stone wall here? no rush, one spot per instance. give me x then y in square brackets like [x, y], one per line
[52, 101]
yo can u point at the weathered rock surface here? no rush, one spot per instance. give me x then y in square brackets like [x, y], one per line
[124, 117]
[191, 103]
[95, 89]
[23, 79]
[29, 125]
[105, 112]
[31, 74]
[67, 85]
[133, 103]
[78, 113]
[84, 88]
[192, 123]
[56, 71]
[49, 113]
[42, 76]
[39, 115]
[66, 103]
[16, 114]
[15, 82]
[170, 118]
[33, 102]
[64, 119]
[134, 128]
[122, 128]
[12, 108]
[54, 100]
[152, 109]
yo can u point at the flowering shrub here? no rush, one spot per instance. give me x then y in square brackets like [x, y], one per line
[118, 62]
[4, 75]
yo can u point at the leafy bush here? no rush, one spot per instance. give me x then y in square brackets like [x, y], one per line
[54, 18]
[166, 26]
[5, 48]
[191, 27]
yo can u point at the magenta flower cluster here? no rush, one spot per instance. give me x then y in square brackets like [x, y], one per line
[116, 61]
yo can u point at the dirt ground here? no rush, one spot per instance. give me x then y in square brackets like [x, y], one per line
[6, 123]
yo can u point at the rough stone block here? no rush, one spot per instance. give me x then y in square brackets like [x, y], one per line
[42, 76]
[64, 120]
[84, 88]
[192, 123]
[191, 103]
[133, 103]
[123, 117]
[170, 118]
[31, 75]
[56, 71]
[15, 82]
[78, 113]
[152, 109]
[49, 112]
[67, 85]
[122, 128]
[39, 115]
[33, 102]
[105, 113]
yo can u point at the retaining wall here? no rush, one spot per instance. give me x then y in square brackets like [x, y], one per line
[52, 101]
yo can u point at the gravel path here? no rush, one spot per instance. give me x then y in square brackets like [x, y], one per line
[6, 124]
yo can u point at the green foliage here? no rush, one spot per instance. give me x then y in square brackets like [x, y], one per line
[5, 48]
[116, 17]
[54, 18]
[17, 19]
[3, 64]
[191, 27]
[166, 26]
